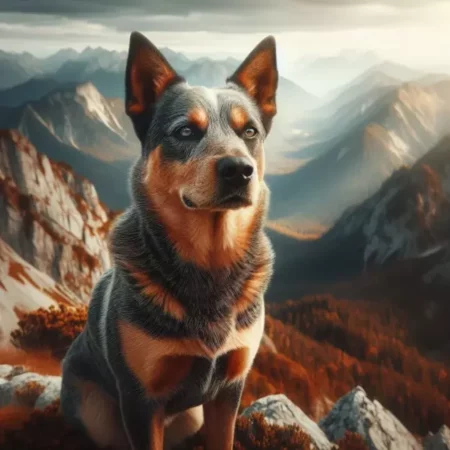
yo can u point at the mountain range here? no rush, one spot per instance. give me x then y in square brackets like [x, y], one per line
[357, 148]
[314, 74]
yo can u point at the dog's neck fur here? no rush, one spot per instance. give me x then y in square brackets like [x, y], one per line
[140, 242]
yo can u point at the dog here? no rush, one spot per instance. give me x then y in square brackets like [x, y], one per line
[174, 326]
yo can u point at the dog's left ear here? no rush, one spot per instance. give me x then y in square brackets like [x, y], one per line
[258, 75]
[148, 75]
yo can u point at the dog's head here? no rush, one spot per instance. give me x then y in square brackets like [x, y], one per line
[202, 148]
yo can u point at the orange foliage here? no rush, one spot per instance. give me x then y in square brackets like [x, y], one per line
[342, 344]
[52, 329]
[24, 429]
[37, 430]
[351, 441]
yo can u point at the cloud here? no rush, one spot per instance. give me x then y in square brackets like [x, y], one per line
[245, 16]
[77, 8]
[407, 30]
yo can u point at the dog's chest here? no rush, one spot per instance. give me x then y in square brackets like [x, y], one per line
[162, 365]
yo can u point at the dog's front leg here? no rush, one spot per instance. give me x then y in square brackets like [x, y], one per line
[220, 417]
[143, 422]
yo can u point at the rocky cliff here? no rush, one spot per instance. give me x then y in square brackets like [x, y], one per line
[51, 217]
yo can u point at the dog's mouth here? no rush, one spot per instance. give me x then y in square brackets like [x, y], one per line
[235, 201]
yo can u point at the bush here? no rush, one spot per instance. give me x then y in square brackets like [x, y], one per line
[351, 441]
[52, 329]
[47, 430]
[39, 430]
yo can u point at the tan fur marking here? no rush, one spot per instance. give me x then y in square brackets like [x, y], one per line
[97, 412]
[209, 239]
[198, 117]
[156, 431]
[238, 118]
[169, 371]
[146, 356]
[220, 419]
[157, 294]
[144, 353]
[237, 364]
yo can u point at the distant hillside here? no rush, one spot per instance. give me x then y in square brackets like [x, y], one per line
[397, 240]
[407, 218]
[354, 160]
[18, 68]
[78, 126]
[314, 74]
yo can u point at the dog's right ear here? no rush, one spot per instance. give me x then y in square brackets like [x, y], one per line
[148, 74]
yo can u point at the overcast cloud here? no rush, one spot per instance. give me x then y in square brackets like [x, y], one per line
[403, 28]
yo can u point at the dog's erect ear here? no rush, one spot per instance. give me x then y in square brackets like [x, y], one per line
[148, 74]
[258, 75]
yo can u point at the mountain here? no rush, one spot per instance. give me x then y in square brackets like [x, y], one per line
[30, 91]
[322, 75]
[341, 110]
[396, 130]
[81, 117]
[17, 68]
[372, 80]
[50, 217]
[53, 62]
[407, 219]
[78, 126]
[105, 70]
[397, 71]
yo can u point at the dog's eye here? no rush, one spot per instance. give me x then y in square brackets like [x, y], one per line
[187, 132]
[250, 132]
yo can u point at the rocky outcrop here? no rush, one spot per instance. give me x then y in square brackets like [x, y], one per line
[51, 217]
[279, 410]
[438, 441]
[21, 388]
[406, 220]
[357, 413]
[354, 412]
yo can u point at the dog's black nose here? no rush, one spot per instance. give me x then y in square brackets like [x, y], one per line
[234, 170]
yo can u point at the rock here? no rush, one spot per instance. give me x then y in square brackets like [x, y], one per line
[43, 390]
[5, 370]
[279, 410]
[52, 392]
[438, 441]
[380, 428]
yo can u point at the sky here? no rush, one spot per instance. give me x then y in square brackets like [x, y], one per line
[414, 32]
